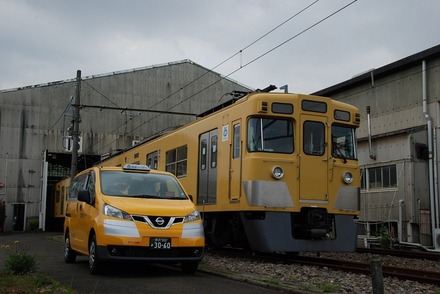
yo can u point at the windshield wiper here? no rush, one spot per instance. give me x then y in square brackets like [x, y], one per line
[147, 196]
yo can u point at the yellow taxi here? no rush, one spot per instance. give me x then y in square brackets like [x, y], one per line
[131, 213]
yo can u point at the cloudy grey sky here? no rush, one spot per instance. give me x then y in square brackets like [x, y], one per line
[49, 40]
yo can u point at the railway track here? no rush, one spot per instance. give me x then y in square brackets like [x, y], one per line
[402, 253]
[404, 273]
[364, 268]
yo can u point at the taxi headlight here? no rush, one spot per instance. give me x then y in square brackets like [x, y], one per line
[347, 178]
[193, 216]
[277, 172]
[115, 212]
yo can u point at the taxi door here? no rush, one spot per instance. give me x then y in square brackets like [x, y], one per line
[86, 213]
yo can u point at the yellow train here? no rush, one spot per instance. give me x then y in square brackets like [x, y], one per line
[276, 172]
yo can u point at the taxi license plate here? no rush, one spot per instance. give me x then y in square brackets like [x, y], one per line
[160, 243]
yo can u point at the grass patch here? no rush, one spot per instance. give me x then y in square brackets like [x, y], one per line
[331, 288]
[31, 283]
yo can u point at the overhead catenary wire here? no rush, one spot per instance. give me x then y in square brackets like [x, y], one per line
[218, 65]
[246, 64]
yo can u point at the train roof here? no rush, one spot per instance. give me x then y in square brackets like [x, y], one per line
[236, 95]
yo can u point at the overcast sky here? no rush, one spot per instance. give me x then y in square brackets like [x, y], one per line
[49, 40]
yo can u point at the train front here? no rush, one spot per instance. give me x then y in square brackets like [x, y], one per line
[300, 175]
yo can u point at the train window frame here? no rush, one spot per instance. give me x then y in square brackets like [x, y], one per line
[214, 149]
[203, 154]
[236, 143]
[176, 161]
[282, 108]
[314, 106]
[342, 115]
[260, 145]
[151, 159]
[346, 149]
[310, 148]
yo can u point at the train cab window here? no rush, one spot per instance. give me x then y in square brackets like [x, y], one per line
[270, 135]
[314, 106]
[343, 142]
[314, 138]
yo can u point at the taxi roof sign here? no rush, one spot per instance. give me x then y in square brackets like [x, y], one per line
[136, 167]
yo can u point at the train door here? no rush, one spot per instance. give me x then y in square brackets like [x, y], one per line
[207, 186]
[152, 159]
[314, 159]
[235, 163]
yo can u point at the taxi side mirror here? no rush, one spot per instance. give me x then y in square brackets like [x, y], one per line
[84, 195]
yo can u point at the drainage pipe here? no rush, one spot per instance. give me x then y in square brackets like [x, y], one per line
[370, 147]
[430, 154]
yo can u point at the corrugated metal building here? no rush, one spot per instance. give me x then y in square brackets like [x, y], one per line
[118, 110]
[398, 146]
[397, 140]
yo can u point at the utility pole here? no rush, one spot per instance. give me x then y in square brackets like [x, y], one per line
[75, 122]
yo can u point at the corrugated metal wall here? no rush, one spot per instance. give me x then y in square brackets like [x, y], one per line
[36, 118]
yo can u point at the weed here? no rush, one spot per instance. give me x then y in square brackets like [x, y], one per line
[331, 288]
[385, 238]
[31, 283]
[18, 261]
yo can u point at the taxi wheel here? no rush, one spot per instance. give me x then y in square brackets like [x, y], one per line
[189, 267]
[69, 254]
[95, 265]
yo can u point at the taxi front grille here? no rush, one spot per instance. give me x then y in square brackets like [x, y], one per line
[158, 222]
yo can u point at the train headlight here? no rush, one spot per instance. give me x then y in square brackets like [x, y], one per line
[347, 178]
[277, 172]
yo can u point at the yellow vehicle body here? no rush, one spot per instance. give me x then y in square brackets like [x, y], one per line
[275, 172]
[131, 213]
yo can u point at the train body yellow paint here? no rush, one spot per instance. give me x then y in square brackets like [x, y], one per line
[277, 172]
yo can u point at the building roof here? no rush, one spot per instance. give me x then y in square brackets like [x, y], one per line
[391, 68]
[121, 72]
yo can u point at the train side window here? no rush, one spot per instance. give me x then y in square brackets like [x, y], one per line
[236, 151]
[343, 142]
[176, 161]
[270, 135]
[152, 159]
[314, 138]
[214, 152]
[203, 154]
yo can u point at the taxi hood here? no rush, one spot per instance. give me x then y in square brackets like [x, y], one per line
[148, 206]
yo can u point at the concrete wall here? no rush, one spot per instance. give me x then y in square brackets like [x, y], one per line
[398, 129]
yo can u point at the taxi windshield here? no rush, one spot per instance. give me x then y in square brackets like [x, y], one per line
[141, 185]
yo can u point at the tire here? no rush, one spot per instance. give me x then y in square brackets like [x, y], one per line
[189, 267]
[95, 265]
[69, 254]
